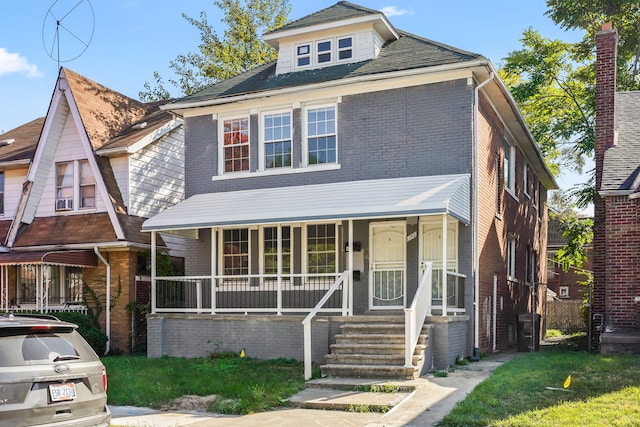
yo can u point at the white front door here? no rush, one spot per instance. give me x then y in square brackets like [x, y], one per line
[387, 278]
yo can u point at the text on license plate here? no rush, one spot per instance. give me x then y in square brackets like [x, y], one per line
[61, 392]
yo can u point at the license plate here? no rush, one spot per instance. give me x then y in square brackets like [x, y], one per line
[60, 392]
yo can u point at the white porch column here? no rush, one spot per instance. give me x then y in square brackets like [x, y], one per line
[153, 272]
[350, 278]
[445, 237]
[214, 267]
[279, 267]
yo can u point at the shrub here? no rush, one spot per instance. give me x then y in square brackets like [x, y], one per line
[88, 328]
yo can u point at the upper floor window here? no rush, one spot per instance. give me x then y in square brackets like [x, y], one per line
[277, 140]
[75, 186]
[511, 258]
[322, 145]
[345, 48]
[324, 52]
[527, 179]
[509, 161]
[323, 49]
[235, 137]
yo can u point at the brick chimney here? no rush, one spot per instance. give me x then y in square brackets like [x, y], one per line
[606, 55]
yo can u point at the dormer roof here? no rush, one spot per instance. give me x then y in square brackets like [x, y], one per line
[340, 14]
[18, 145]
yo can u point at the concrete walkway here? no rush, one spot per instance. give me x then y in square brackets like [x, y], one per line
[432, 399]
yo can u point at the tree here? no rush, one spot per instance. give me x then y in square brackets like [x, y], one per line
[553, 82]
[218, 58]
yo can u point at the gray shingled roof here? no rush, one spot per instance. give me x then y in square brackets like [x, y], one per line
[339, 11]
[622, 161]
[408, 52]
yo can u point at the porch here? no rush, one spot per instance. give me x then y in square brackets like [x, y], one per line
[376, 249]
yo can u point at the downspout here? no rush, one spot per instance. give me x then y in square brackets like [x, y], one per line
[108, 314]
[474, 223]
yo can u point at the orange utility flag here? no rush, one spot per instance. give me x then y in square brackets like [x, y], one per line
[242, 355]
[567, 382]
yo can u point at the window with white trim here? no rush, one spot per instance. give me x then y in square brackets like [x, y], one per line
[321, 251]
[303, 55]
[564, 292]
[235, 144]
[509, 162]
[325, 52]
[235, 252]
[511, 258]
[75, 186]
[276, 140]
[322, 144]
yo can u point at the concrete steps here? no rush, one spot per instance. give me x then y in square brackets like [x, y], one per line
[374, 350]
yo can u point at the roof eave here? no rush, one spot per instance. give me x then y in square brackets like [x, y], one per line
[177, 107]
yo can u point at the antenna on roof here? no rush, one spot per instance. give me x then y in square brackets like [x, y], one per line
[67, 29]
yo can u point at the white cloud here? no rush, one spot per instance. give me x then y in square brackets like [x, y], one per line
[394, 11]
[16, 63]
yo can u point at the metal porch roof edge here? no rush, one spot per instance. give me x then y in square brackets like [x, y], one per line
[394, 197]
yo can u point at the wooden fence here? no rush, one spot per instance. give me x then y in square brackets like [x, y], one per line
[565, 316]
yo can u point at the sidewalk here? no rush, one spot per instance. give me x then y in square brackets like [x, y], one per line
[432, 399]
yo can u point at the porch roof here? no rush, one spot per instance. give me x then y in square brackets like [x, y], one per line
[382, 198]
[68, 258]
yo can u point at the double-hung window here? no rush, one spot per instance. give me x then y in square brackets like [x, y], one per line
[321, 251]
[511, 258]
[277, 140]
[235, 254]
[323, 50]
[75, 186]
[322, 144]
[303, 55]
[509, 162]
[235, 137]
[345, 48]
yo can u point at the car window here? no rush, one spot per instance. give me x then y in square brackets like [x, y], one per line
[42, 348]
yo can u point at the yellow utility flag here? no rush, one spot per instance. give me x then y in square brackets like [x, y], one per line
[242, 355]
[567, 382]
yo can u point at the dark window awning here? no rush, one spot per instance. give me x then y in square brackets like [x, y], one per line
[367, 199]
[68, 258]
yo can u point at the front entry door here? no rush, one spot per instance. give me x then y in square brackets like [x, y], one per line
[387, 278]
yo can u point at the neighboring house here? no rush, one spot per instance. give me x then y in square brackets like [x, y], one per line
[570, 284]
[340, 167]
[77, 186]
[616, 295]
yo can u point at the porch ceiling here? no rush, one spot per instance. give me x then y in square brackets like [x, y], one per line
[383, 198]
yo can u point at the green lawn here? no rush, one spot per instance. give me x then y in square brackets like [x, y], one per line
[604, 390]
[244, 386]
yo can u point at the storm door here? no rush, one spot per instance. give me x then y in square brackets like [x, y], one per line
[387, 278]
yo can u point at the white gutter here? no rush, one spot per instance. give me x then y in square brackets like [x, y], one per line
[329, 84]
[108, 304]
[474, 222]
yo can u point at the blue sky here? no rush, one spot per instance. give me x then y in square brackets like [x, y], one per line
[133, 38]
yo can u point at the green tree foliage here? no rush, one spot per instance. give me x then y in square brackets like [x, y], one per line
[553, 81]
[220, 57]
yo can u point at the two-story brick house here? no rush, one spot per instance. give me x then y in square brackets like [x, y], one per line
[616, 291]
[390, 172]
[77, 185]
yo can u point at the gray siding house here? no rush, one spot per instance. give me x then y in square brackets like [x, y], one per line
[369, 189]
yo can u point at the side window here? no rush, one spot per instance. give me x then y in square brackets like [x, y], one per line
[509, 161]
[511, 258]
[235, 144]
[87, 186]
[322, 144]
[64, 186]
[276, 138]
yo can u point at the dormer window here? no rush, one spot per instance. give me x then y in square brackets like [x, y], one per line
[324, 52]
[345, 48]
[304, 55]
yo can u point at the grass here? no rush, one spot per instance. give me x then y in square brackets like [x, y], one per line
[605, 390]
[244, 386]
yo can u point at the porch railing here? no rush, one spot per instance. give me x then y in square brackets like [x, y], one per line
[415, 315]
[256, 293]
[51, 308]
[306, 323]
